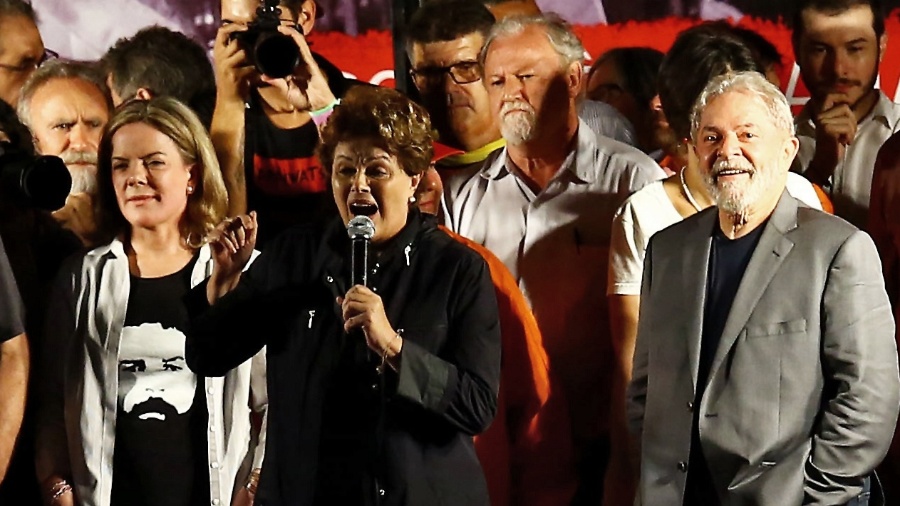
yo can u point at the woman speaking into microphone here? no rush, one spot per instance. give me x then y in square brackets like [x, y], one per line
[375, 391]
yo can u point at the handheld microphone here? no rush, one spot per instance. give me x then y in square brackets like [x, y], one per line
[361, 229]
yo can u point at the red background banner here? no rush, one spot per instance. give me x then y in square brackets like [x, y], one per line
[368, 57]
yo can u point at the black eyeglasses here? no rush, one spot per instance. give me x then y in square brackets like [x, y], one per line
[32, 65]
[463, 72]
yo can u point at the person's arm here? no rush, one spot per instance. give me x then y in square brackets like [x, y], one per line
[14, 362]
[259, 403]
[227, 127]
[836, 125]
[461, 386]
[859, 357]
[53, 467]
[619, 481]
[636, 393]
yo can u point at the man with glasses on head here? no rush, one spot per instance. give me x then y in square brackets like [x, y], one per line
[21, 47]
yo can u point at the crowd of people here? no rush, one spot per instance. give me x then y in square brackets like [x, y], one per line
[645, 282]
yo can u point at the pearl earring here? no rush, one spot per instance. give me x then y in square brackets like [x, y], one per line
[190, 189]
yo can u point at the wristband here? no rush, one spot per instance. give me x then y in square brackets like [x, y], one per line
[320, 116]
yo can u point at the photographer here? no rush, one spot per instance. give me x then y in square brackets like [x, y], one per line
[264, 142]
[35, 246]
[13, 363]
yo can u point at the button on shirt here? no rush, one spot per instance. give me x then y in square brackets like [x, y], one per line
[556, 245]
[851, 183]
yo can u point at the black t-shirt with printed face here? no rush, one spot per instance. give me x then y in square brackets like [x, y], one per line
[161, 446]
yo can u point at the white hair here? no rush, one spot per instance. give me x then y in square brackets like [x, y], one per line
[59, 69]
[559, 33]
[749, 82]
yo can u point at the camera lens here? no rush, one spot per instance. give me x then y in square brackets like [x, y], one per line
[276, 54]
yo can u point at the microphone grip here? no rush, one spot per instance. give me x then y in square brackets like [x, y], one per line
[359, 261]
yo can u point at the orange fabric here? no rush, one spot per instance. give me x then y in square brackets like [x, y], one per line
[526, 453]
[827, 206]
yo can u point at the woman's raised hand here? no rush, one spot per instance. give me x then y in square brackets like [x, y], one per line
[232, 246]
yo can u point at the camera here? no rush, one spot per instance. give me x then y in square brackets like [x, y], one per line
[271, 52]
[42, 182]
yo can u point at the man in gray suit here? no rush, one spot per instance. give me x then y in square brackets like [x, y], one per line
[772, 379]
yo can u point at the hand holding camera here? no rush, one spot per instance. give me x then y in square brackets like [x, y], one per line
[282, 57]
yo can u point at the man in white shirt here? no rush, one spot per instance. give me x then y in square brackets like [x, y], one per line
[839, 46]
[544, 205]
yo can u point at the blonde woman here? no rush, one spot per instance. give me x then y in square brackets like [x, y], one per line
[122, 418]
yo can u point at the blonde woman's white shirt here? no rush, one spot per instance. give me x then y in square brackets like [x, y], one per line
[78, 384]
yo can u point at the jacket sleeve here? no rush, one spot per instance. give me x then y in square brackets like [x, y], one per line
[52, 448]
[234, 329]
[461, 385]
[860, 362]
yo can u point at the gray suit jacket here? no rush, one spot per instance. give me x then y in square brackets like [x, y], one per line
[803, 393]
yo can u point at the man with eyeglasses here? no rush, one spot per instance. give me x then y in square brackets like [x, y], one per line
[21, 47]
[526, 453]
[443, 42]
[544, 205]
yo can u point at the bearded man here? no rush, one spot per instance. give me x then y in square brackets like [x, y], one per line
[772, 378]
[65, 105]
[544, 205]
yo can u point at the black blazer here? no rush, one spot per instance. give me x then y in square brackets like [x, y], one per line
[337, 432]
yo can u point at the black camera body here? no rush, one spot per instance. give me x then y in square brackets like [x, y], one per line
[41, 182]
[271, 52]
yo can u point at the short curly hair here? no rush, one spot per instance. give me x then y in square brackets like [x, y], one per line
[395, 123]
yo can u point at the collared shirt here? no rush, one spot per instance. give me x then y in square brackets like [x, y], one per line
[607, 121]
[79, 393]
[556, 245]
[851, 183]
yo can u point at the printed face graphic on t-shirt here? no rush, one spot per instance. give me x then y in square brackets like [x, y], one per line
[154, 380]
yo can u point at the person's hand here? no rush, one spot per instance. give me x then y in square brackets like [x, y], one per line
[58, 492]
[232, 246]
[307, 89]
[78, 216]
[836, 127]
[242, 498]
[233, 72]
[362, 308]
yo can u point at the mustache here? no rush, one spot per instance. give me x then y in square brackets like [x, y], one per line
[516, 105]
[732, 164]
[75, 157]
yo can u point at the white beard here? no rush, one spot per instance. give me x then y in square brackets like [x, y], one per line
[517, 127]
[737, 198]
[84, 180]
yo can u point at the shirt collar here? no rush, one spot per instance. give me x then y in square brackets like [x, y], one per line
[578, 161]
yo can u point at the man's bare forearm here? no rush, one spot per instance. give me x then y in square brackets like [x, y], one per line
[14, 363]
[227, 134]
